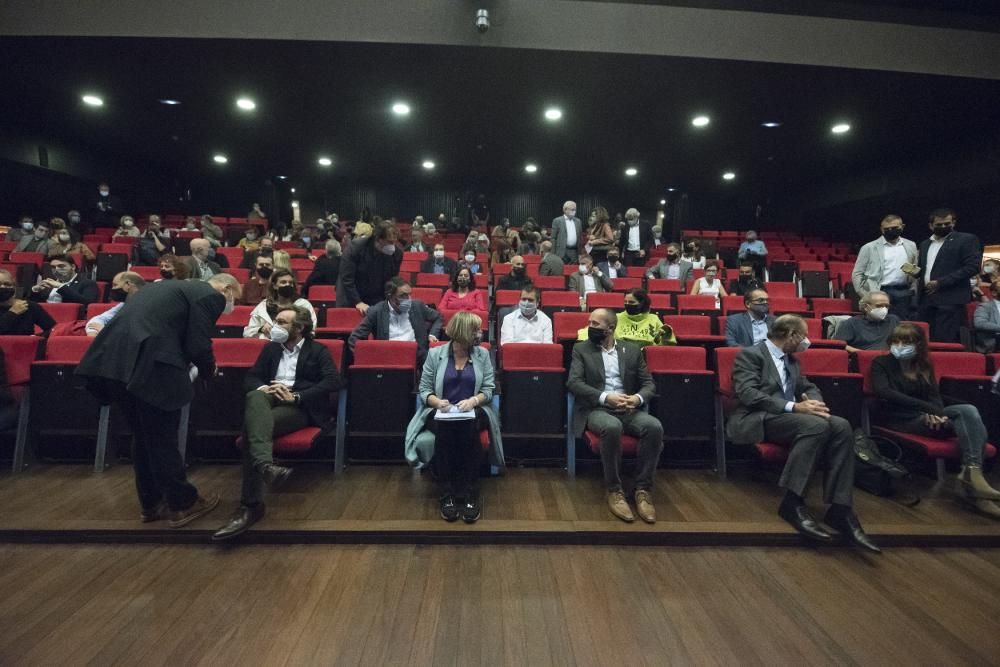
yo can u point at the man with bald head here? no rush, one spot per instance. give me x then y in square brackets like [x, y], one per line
[199, 264]
[567, 234]
[122, 285]
[612, 388]
[518, 278]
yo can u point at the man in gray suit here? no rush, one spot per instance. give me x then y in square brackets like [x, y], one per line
[551, 264]
[879, 267]
[673, 266]
[778, 404]
[588, 279]
[567, 234]
[612, 388]
[399, 318]
[751, 327]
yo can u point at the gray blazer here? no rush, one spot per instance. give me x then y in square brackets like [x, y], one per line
[586, 378]
[559, 235]
[758, 388]
[419, 442]
[576, 283]
[867, 274]
[425, 321]
[551, 265]
[660, 271]
[986, 321]
[739, 331]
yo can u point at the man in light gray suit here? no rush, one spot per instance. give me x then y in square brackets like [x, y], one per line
[672, 266]
[778, 404]
[879, 267]
[612, 388]
[567, 234]
[751, 327]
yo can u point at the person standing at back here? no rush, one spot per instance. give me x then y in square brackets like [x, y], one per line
[567, 232]
[367, 266]
[948, 260]
[880, 267]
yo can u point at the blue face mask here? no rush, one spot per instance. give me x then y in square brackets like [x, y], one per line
[903, 351]
[404, 306]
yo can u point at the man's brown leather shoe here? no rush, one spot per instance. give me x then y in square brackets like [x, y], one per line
[644, 506]
[619, 506]
[200, 508]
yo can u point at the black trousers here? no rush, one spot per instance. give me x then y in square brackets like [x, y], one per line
[900, 301]
[945, 321]
[457, 456]
[632, 258]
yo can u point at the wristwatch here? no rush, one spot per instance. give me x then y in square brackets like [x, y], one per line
[298, 397]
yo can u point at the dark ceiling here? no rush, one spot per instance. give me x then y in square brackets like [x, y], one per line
[478, 113]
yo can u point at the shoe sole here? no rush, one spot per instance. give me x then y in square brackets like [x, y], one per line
[626, 519]
[468, 519]
[180, 523]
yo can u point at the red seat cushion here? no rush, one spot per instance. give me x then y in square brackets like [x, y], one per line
[935, 448]
[771, 453]
[295, 442]
[484, 439]
[630, 444]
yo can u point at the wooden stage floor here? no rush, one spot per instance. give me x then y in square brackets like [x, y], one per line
[394, 504]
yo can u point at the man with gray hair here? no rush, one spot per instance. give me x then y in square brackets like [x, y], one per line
[327, 267]
[200, 266]
[567, 234]
[635, 240]
[872, 328]
[551, 264]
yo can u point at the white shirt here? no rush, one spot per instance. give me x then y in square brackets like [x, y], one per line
[400, 327]
[710, 290]
[612, 271]
[516, 328]
[633, 238]
[893, 258]
[570, 232]
[932, 252]
[54, 295]
[612, 374]
[259, 317]
[288, 364]
[589, 284]
[673, 270]
[778, 356]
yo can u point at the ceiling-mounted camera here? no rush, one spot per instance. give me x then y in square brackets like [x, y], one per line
[482, 20]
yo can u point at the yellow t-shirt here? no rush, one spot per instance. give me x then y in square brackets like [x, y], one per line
[645, 329]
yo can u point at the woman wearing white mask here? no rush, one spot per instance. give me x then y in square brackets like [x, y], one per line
[282, 293]
[905, 381]
[126, 227]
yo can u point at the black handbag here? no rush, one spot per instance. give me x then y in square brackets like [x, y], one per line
[878, 467]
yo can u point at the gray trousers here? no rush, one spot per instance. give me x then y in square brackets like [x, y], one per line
[609, 428]
[264, 419]
[811, 439]
[965, 422]
[571, 255]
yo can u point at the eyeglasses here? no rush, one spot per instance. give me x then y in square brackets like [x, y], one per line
[760, 302]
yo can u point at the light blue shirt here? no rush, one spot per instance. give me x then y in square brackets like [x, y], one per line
[759, 329]
[106, 316]
[756, 247]
[778, 355]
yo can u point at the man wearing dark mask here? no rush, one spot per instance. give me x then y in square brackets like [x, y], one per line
[77, 227]
[518, 276]
[612, 388]
[123, 285]
[746, 281]
[255, 288]
[35, 241]
[885, 265]
[613, 267]
[17, 316]
[778, 404]
[750, 327]
[265, 248]
[366, 266]
[673, 267]
[288, 388]
[948, 260]
[65, 285]
[399, 317]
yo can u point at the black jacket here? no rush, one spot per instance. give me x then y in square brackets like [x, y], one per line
[956, 262]
[903, 399]
[645, 237]
[427, 266]
[316, 377]
[325, 272]
[510, 281]
[425, 322]
[364, 272]
[25, 323]
[150, 344]
[79, 290]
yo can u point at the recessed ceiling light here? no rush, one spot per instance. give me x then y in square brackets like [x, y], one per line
[552, 113]
[728, 176]
[840, 128]
[700, 121]
[295, 203]
[325, 161]
[170, 103]
[92, 100]
[631, 171]
[531, 168]
[771, 124]
[401, 109]
[662, 202]
[220, 158]
[671, 189]
[246, 104]
[282, 177]
[428, 164]
[293, 191]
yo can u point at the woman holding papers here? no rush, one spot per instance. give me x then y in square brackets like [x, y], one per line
[456, 388]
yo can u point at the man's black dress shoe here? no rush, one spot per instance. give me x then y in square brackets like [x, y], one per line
[804, 522]
[275, 476]
[239, 522]
[847, 524]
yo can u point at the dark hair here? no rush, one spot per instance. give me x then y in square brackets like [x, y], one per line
[392, 286]
[641, 296]
[62, 257]
[746, 264]
[454, 278]
[382, 229]
[942, 213]
[921, 366]
[748, 297]
[180, 268]
[600, 217]
[273, 281]
[303, 319]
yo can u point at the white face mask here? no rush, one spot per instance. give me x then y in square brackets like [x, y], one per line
[389, 249]
[989, 268]
[633, 223]
[571, 213]
[584, 269]
[439, 254]
[804, 345]
[878, 314]
[105, 193]
[528, 308]
[128, 223]
[470, 258]
[279, 334]
[901, 351]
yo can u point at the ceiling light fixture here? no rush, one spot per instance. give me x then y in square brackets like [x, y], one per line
[662, 202]
[771, 123]
[840, 128]
[553, 113]
[728, 176]
[282, 177]
[428, 164]
[325, 161]
[246, 104]
[92, 100]
[671, 189]
[295, 203]
[700, 121]
[401, 109]
[170, 103]
[631, 171]
[220, 158]
[531, 168]
[293, 191]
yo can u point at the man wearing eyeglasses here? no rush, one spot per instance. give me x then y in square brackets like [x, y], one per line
[750, 327]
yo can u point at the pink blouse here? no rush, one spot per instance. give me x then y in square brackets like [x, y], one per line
[473, 300]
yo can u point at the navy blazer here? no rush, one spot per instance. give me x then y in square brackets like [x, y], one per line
[739, 331]
[316, 377]
[956, 262]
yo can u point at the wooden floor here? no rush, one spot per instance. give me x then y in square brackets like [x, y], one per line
[393, 504]
[495, 605]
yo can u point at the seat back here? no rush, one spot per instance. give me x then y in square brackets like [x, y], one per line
[724, 358]
[95, 309]
[385, 354]
[67, 349]
[18, 353]
[62, 312]
[566, 325]
[671, 285]
[550, 282]
[433, 280]
[563, 299]
[788, 304]
[691, 325]
[506, 297]
[613, 300]
[323, 293]
[823, 361]
[781, 289]
[237, 352]
[336, 348]
[695, 302]
[673, 359]
[532, 357]
[958, 364]
[342, 319]
[623, 284]
[865, 359]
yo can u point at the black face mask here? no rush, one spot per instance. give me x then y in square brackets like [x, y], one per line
[633, 308]
[518, 270]
[596, 335]
[892, 234]
[117, 294]
[265, 271]
[942, 231]
[6, 293]
[266, 252]
[166, 275]
[672, 256]
[286, 291]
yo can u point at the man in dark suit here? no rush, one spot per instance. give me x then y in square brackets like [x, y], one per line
[65, 285]
[613, 267]
[751, 327]
[778, 404]
[399, 317]
[567, 234]
[288, 388]
[327, 267]
[142, 360]
[437, 262]
[612, 387]
[366, 266]
[636, 239]
[948, 259]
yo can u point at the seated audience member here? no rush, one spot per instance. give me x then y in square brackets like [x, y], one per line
[551, 265]
[256, 287]
[9, 408]
[710, 284]
[636, 324]
[210, 231]
[416, 240]
[871, 329]
[24, 227]
[62, 243]
[126, 228]
[17, 316]
[754, 251]
[200, 267]
[587, 278]
[905, 382]
[122, 285]
[281, 260]
[327, 267]
[65, 285]
[990, 270]
[463, 295]
[153, 243]
[526, 324]
[750, 327]
[693, 254]
[250, 240]
[518, 276]
[264, 247]
[612, 387]
[256, 213]
[502, 253]
[613, 267]
[468, 260]
[438, 263]
[173, 268]
[457, 377]
[281, 294]
[288, 388]
[746, 282]
[399, 317]
[672, 267]
[531, 244]
[778, 404]
[657, 236]
[986, 321]
[35, 240]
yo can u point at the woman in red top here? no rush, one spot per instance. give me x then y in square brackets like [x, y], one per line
[463, 294]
